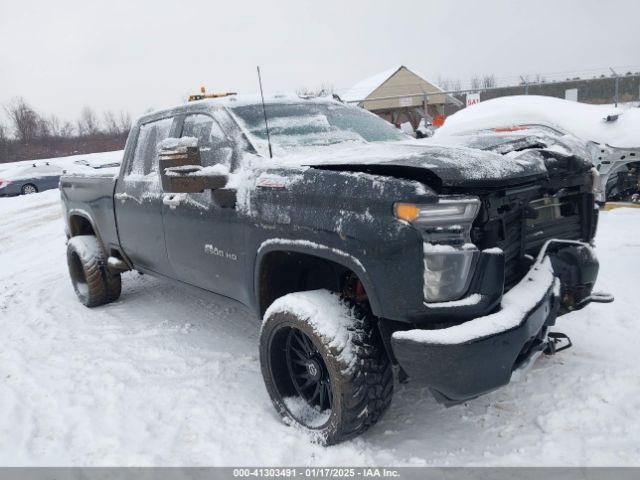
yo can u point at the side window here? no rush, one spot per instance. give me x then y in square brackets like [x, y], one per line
[145, 157]
[212, 141]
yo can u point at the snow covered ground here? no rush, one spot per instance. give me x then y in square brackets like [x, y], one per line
[164, 378]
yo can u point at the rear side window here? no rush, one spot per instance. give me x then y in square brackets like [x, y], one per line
[145, 157]
[214, 145]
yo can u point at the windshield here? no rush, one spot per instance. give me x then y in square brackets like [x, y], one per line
[295, 125]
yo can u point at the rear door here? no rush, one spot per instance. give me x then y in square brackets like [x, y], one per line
[205, 241]
[138, 200]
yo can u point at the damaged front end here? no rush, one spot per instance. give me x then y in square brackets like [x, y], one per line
[521, 259]
[463, 361]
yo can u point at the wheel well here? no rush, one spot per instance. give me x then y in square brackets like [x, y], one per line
[79, 225]
[287, 272]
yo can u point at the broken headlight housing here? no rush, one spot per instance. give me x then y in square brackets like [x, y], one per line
[448, 252]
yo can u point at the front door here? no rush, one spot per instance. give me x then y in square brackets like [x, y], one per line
[138, 201]
[205, 241]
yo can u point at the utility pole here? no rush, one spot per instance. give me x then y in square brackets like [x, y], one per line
[615, 96]
[526, 85]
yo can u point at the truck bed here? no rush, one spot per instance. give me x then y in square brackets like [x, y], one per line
[90, 197]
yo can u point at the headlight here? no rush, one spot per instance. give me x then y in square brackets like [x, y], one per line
[448, 251]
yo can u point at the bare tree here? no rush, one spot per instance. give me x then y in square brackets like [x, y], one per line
[444, 83]
[55, 127]
[110, 122]
[26, 121]
[42, 128]
[489, 81]
[4, 142]
[88, 123]
[476, 82]
[4, 135]
[456, 84]
[67, 129]
[124, 121]
[539, 79]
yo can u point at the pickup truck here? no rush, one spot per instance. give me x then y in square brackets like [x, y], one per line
[368, 256]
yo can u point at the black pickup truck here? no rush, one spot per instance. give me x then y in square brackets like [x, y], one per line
[368, 255]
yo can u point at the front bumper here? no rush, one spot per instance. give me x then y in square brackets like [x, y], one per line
[480, 355]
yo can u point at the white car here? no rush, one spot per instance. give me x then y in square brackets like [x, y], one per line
[610, 135]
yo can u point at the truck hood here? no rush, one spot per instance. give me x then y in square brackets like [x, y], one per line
[437, 165]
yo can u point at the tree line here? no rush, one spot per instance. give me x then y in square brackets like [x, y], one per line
[26, 124]
[476, 82]
[29, 134]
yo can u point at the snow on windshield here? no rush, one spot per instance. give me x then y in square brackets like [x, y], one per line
[293, 126]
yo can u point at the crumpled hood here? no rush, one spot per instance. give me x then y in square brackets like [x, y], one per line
[453, 166]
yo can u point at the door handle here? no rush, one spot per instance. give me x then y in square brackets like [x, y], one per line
[171, 200]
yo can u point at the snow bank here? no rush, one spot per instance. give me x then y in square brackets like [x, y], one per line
[580, 119]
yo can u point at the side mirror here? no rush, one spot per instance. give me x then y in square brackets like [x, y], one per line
[171, 158]
[181, 170]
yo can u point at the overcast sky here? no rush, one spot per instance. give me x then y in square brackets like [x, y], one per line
[62, 55]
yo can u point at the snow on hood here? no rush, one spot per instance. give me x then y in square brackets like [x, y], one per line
[455, 166]
[583, 120]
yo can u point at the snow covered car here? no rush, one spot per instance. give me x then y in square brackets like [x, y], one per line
[611, 136]
[30, 178]
[359, 248]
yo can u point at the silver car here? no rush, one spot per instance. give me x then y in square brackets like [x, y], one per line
[30, 178]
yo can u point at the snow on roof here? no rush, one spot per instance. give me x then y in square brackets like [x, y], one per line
[580, 119]
[364, 88]
[248, 99]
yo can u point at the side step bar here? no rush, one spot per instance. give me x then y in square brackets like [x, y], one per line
[116, 265]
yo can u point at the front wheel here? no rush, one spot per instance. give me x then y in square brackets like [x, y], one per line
[324, 365]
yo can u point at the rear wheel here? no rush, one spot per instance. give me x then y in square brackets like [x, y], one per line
[324, 365]
[29, 188]
[93, 283]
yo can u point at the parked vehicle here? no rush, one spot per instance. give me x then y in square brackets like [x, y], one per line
[360, 249]
[30, 178]
[611, 136]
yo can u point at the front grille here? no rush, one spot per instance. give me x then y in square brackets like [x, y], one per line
[516, 250]
[521, 231]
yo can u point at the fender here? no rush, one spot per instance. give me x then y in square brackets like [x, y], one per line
[78, 212]
[318, 250]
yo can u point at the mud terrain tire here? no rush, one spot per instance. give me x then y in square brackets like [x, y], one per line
[344, 346]
[93, 283]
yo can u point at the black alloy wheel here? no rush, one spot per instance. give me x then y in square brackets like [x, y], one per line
[308, 371]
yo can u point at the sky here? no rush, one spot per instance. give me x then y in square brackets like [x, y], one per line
[138, 55]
